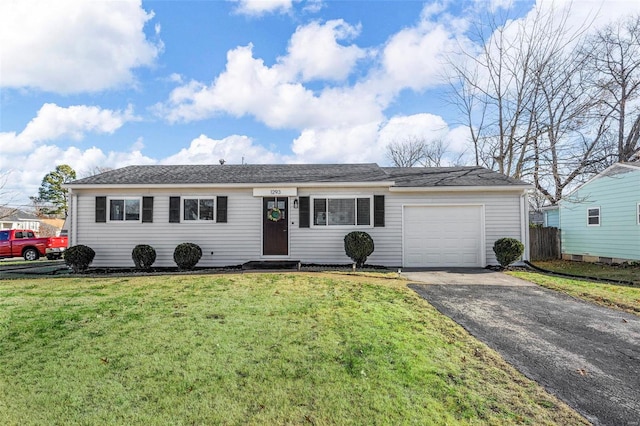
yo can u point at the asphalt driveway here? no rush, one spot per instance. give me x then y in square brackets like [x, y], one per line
[587, 355]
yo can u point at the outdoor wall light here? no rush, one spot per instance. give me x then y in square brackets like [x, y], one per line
[295, 203]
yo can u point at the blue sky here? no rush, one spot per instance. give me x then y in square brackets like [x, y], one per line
[113, 83]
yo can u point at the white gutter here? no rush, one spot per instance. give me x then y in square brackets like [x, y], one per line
[233, 185]
[510, 188]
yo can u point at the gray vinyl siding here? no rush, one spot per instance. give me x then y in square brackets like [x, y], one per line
[240, 239]
[325, 245]
[501, 211]
[232, 243]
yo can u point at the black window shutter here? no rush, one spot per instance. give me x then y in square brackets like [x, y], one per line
[101, 209]
[378, 210]
[174, 209]
[303, 212]
[147, 209]
[221, 212]
[363, 211]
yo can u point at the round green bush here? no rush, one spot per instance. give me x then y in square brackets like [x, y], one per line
[507, 250]
[143, 256]
[187, 255]
[79, 257]
[358, 246]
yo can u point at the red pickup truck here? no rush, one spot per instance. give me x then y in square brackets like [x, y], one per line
[23, 242]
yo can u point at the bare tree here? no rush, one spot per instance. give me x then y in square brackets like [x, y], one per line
[406, 153]
[95, 171]
[525, 100]
[434, 153]
[417, 151]
[6, 196]
[613, 55]
[569, 126]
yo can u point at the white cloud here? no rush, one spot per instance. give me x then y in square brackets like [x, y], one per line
[233, 149]
[261, 7]
[459, 140]
[54, 122]
[247, 86]
[315, 53]
[71, 46]
[337, 122]
[29, 155]
[348, 144]
[422, 126]
[26, 170]
[417, 57]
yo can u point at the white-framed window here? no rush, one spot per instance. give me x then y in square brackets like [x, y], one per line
[125, 209]
[198, 209]
[593, 216]
[342, 211]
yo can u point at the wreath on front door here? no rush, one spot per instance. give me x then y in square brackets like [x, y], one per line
[274, 214]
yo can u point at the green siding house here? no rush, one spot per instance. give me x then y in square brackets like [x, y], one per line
[551, 217]
[600, 221]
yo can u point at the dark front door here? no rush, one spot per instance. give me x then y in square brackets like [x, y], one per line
[275, 226]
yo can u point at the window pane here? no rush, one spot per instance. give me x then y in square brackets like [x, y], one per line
[4, 236]
[206, 209]
[319, 211]
[190, 209]
[593, 216]
[132, 209]
[342, 211]
[116, 210]
[364, 211]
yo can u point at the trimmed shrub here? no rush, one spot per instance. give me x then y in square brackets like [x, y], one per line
[79, 257]
[358, 246]
[187, 255]
[507, 250]
[143, 256]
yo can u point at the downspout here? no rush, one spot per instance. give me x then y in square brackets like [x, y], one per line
[524, 225]
[73, 232]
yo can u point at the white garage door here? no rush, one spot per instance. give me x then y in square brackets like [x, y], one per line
[437, 236]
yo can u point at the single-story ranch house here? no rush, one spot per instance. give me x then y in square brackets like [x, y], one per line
[417, 217]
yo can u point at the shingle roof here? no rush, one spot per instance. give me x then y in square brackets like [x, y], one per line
[448, 176]
[299, 173]
[11, 215]
[227, 174]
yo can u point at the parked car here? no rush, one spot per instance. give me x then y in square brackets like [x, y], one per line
[25, 243]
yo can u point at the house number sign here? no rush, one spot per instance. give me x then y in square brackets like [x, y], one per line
[275, 192]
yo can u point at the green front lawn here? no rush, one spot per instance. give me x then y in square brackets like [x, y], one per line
[249, 349]
[595, 270]
[621, 297]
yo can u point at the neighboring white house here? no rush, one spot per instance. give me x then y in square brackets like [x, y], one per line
[417, 217]
[17, 219]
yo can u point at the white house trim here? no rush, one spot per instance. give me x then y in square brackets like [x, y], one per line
[376, 184]
[512, 188]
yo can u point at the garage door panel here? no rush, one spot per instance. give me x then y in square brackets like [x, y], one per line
[443, 236]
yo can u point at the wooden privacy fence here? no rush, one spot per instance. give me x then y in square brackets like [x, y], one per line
[544, 243]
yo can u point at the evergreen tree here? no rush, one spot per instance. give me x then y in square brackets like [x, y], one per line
[52, 192]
